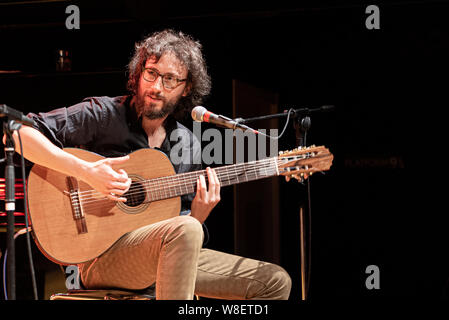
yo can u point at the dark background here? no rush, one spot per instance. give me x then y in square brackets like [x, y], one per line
[376, 206]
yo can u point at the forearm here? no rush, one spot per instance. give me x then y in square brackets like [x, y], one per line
[39, 150]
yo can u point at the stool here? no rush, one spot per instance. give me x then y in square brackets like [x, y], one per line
[102, 295]
[105, 295]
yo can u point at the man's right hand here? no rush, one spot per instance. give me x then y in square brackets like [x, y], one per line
[102, 177]
[99, 175]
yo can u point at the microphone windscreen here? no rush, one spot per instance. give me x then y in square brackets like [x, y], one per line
[327, 107]
[198, 112]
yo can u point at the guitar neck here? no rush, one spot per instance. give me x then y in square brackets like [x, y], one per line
[185, 183]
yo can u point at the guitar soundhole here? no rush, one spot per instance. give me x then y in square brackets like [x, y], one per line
[135, 195]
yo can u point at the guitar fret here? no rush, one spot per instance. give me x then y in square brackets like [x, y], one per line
[176, 188]
[147, 190]
[164, 191]
[245, 171]
[185, 183]
[253, 173]
[236, 175]
[159, 189]
[256, 172]
[266, 173]
[163, 188]
[171, 189]
[154, 190]
[179, 188]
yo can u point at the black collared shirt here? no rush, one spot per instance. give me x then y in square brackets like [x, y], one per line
[110, 127]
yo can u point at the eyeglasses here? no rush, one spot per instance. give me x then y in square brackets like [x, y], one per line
[168, 80]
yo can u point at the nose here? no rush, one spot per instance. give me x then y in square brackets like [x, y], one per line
[157, 84]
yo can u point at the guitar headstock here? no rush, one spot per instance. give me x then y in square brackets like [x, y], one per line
[302, 162]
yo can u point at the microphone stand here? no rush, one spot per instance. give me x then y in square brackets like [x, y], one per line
[13, 121]
[9, 127]
[301, 125]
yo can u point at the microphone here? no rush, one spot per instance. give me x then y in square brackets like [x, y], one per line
[14, 114]
[200, 114]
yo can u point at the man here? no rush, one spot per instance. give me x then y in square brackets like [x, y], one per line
[167, 76]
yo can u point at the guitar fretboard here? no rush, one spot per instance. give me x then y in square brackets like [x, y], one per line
[185, 183]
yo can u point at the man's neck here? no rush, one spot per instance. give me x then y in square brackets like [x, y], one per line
[153, 126]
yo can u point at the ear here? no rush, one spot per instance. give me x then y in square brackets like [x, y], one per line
[187, 89]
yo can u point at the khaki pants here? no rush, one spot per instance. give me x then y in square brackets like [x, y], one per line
[170, 254]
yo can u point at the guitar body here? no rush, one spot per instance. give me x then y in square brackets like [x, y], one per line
[67, 236]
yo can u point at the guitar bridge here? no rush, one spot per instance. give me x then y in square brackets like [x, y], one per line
[77, 209]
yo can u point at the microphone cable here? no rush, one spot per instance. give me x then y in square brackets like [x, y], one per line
[283, 130]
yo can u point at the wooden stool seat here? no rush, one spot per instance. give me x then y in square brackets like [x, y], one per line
[102, 295]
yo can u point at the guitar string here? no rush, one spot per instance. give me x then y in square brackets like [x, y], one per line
[161, 195]
[178, 177]
[92, 206]
[174, 192]
[250, 169]
[188, 177]
[247, 165]
[189, 180]
[262, 164]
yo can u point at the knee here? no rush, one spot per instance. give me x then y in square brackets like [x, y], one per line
[280, 284]
[189, 225]
[189, 230]
[286, 283]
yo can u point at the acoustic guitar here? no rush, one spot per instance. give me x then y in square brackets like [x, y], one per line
[73, 223]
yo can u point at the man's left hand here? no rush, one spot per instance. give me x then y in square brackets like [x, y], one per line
[205, 200]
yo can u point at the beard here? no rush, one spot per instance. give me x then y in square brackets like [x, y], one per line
[149, 111]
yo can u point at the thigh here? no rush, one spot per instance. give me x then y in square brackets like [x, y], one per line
[226, 276]
[131, 263]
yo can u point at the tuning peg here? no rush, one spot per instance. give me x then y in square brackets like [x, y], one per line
[300, 178]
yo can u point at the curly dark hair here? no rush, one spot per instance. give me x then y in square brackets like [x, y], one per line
[188, 51]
